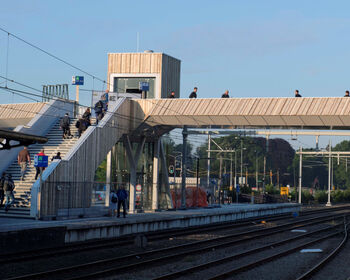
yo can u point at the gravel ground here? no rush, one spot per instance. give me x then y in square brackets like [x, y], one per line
[192, 260]
[291, 266]
[338, 268]
[10, 270]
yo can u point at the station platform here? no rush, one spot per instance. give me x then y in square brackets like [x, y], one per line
[27, 234]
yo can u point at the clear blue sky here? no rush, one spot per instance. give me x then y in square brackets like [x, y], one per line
[253, 48]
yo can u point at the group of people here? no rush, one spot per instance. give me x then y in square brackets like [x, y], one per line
[193, 94]
[84, 122]
[116, 200]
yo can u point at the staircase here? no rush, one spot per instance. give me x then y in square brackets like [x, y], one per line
[22, 191]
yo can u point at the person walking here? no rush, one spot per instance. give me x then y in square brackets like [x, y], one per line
[23, 158]
[347, 94]
[65, 123]
[2, 193]
[113, 200]
[122, 196]
[86, 117]
[98, 110]
[57, 156]
[9, 186]
[297, 93]
[172, 94]
[194, 93]
[105, 99]
[39, 169]
[225, 94]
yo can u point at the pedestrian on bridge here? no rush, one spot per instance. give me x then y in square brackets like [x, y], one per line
[9, 186]
[39, 169]
[194, 93]
[347, 94]
[65, 123]
[297, 93]
[172, 94]
[23, 158]
[122, 196]
[225, 94]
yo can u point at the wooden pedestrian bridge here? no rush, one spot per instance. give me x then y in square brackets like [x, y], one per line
[146, 120]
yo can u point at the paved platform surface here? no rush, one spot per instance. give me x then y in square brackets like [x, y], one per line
[13, 224]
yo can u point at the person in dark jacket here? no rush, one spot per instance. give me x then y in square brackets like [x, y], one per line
[57, 156]
[82, 126]
[2, 192]
[172, 94]
[297, 93]
[86, 116]
[122, 196]
[99, 111]
[194, 93]
[347, 94]
[9, 186]
[65, 122]
[225, 94]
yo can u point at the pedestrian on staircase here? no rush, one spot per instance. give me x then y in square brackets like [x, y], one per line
[39, 169]
[86, 117]
[99, 111]
[23, 158]
[65, 122]
[57, 156]
[2, 193]
[82, 126]
[9, 186]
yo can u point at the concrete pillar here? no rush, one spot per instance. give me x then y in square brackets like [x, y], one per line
[165, 177]
[133, 160]
[156, 146]
[108, 177]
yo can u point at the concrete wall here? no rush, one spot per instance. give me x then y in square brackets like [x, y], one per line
[39, 125]
[81, 232]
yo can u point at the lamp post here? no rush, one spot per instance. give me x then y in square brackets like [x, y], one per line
[329, 173]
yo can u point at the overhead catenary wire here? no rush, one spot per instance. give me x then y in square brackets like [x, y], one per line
[51, 55]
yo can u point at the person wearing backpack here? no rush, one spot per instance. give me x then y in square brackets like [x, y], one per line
[99, 111]
[113, 200]
[9, 186]
[2, 193]
[64, 123]
[122, 196]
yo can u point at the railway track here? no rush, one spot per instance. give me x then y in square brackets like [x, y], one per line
[108, 267]
[95, 245]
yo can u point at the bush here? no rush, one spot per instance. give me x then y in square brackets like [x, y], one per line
[270, 189]
[245, 189]
[337, 196]
[306, 197]
[346, 195]
[321, 197]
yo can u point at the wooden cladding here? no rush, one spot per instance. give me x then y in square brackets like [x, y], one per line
[164, 66]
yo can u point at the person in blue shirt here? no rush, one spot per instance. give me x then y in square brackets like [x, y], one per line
[122, 197]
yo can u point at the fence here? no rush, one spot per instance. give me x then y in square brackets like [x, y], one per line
[72, 199]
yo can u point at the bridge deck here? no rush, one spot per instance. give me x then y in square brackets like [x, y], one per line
[312, 112]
